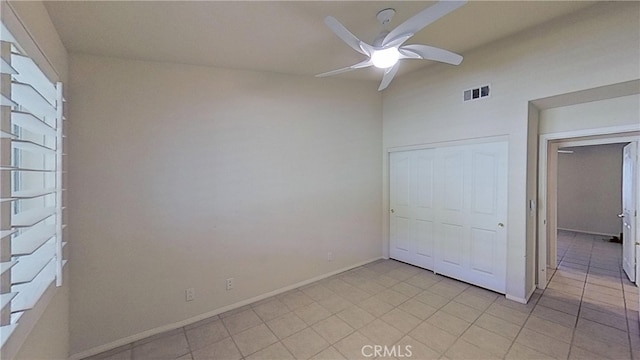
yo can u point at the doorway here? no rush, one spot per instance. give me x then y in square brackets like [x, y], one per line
[589, 201]
[548, 227]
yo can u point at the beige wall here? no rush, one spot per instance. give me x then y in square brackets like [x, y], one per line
[591, 48]
[619, 111]
[48, 338]
[184, 176]
[590, 188]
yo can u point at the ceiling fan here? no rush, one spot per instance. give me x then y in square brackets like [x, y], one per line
[388, 46]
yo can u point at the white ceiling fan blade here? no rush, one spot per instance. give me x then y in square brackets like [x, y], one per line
[344, 34]
[368, 49]
[388, 76]
[430, 53]
[422, 19]
[359, 65]
[398, 41]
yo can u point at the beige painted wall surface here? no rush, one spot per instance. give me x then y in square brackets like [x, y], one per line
[589, 189]
[184, 176]
[619, 111]
[49, 338]
[594, 47]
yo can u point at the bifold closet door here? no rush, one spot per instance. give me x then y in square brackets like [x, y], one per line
[449, 210]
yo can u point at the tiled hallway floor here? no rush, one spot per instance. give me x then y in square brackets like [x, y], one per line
[588, 311]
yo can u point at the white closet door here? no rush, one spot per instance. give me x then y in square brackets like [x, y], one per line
[449, 211]
[487, 240]
[399, 197]
[452, 204]
[423, 210]
[411, 198]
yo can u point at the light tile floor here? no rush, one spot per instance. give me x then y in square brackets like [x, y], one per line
[588, 311]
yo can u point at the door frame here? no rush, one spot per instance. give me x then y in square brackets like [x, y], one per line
[547, 185]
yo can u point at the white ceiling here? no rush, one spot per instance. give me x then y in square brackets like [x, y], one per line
[279, 36]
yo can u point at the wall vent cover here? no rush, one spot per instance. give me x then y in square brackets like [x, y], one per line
[477, 93]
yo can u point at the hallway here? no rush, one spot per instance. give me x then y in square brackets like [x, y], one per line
[589, 289]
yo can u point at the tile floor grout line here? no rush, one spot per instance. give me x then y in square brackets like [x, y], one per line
[514, 339]
[186, 338]
[242, 356]
[471, 324]
[584, 286]
[626, 318]
[527, 319]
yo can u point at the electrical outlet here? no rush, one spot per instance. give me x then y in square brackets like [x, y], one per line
[329, 256]
[229, 283]
[190, 294]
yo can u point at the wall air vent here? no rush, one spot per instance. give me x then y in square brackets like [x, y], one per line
[477, 93]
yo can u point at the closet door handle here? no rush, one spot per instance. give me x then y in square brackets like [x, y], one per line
[500, 225]
[621, 215]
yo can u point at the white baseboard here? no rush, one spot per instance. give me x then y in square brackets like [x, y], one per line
[516, 299]
[588, 232]
[159, 330]
[522, 300]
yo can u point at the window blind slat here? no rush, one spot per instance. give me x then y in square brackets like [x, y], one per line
[6, 331]
[30, 122]
[6, 135]
[29, 194]
[16, 316]
[13, 168]
[28, 267]
[5, 101]
[29, 293]
[31, 217]
[5, 68]
[28, 97]
[32, 147]
[30, 73]
[5, 233]
[5, 35]
[5, 299]
[33, 193]
[31, 240]
[7, 265]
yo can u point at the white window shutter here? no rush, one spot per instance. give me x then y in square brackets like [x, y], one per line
[31, 189]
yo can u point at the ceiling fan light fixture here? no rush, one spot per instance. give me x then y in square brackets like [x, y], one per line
[385, 51]
[385, 58]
